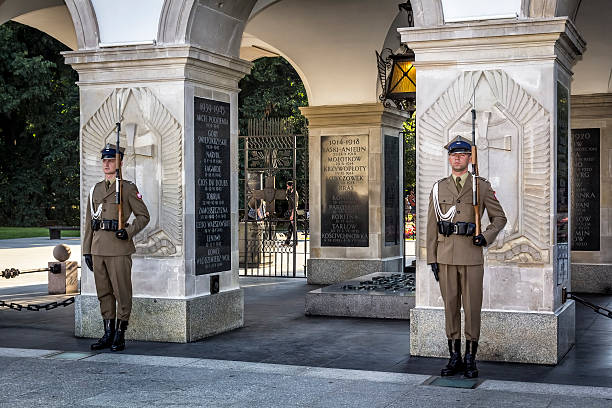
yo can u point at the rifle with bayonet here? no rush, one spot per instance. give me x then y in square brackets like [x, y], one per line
[118, 187]
[475, 187]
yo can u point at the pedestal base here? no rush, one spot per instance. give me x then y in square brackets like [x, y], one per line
[382, 304]
[66, 281]
[171, 320]
[521, 337]
[330, 271]
[592, 278]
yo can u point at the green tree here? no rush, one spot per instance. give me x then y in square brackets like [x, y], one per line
[39, 124]
[273, 89]
[410, 155]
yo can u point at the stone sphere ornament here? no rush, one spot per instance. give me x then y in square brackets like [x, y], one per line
[61, 252]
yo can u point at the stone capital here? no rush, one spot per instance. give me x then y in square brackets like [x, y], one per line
[170, 63]
[367, 114]
[594, 106]
[505, 40]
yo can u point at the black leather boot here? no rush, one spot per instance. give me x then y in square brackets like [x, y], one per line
[109, 334]
[455, 364]
[119, 340]
[471, 347]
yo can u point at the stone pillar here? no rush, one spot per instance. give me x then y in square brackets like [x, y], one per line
[519, 74]
[592, 196]
[65, 281]
[180, 130]
[356, 180]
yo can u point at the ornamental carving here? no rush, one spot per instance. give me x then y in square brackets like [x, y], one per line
[513, 140]
[152, 139]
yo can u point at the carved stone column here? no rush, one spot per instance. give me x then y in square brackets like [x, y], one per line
[519, 75]
[356, 181]
[180, 130]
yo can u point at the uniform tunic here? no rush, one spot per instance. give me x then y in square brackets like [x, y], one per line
[461, 262]
[112, 256]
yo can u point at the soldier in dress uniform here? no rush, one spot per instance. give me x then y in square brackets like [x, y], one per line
[107, 250]
[292, 198]
[455, 254]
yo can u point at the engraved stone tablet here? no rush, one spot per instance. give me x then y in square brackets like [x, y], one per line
[344, 191]
[562, 163]
[392, 189]
[212, 186]
[585, 190]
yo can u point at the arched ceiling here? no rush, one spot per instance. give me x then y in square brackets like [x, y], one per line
[49, 16]
[593, 74]
[331, 43]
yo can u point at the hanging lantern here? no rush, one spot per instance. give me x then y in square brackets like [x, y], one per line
[399, 86]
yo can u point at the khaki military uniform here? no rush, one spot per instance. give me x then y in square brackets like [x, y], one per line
[460, 261]
[112, 256]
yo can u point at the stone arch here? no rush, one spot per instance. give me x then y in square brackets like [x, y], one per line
[85, 23]
[550, 8]
[427, 13]
[173, 21]
[191, 21]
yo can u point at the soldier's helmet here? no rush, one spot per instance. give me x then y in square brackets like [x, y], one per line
[459, 145]
[110, 151]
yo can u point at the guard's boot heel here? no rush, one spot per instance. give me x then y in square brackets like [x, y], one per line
[455, 364]
[119, 340]
[109, 334]
[471, 347]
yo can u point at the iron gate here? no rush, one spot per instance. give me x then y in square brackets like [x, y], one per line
[273, 153]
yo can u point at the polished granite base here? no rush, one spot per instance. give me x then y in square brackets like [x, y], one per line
[521, 337]
[168, 320]
[374, 295]
[592, 278]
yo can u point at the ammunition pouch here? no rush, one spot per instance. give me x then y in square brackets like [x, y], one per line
[107, 225]
[448, 228]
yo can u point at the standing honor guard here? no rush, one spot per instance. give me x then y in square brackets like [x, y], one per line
[454, 249]
[108, 245]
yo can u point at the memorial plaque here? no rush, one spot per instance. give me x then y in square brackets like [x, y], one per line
[585, 190]
[212, 182]
[562, 163]
[344, 191]
[392, 191]
[562, 168]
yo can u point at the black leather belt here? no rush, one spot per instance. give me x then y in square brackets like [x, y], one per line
[448, 228]
[107, 225]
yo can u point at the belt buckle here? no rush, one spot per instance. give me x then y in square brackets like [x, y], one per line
[455, 228]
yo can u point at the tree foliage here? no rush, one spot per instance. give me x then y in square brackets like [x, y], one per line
[273, 89]
[39, 130]
[410, 155]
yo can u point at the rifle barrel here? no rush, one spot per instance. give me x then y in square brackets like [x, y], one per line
[118, 186]
[475, 192]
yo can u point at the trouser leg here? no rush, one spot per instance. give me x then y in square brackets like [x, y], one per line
[104, 288]
[120, 273]
[451, 293]
[471, 287]
[289, 233]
